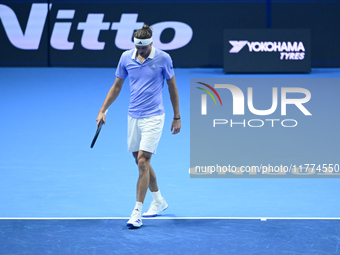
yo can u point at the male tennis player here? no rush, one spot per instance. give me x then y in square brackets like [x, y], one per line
[147, 67]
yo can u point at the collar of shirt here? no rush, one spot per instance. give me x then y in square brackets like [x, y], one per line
[151, 55]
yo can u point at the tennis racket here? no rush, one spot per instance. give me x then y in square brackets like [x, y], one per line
[97, 132]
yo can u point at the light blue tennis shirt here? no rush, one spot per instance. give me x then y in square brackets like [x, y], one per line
[146, 81]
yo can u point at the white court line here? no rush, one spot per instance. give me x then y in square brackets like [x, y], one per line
[171, 218]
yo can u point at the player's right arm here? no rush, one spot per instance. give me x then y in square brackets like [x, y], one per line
[110, 98]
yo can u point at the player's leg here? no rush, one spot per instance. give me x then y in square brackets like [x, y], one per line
[143, 158]
[152, 136]
[143, 161]
[153, 181]
[133, 141]
[145, 136]
[158, 204]
[153, 187]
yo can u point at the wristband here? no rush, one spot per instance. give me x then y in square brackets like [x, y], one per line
[177, 118]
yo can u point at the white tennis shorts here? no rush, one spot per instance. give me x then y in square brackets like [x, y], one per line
[144, 134]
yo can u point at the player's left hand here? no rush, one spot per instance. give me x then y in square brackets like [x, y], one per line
[176, 126]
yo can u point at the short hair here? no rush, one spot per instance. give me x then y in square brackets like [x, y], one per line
[144, 33]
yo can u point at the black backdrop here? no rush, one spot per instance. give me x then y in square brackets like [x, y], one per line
[207, 19]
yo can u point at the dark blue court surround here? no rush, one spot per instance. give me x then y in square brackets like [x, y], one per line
[170, 237]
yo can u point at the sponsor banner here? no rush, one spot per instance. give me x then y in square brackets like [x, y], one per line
[21, 23]
[24, 34]
[264, 128]
[96, 34]
[267, 51]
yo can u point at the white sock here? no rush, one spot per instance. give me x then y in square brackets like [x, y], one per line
[139, 206]
[157, 196]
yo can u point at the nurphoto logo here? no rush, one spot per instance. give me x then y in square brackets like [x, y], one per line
[239, 104]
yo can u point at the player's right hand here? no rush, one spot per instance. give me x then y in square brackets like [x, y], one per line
[101, 116]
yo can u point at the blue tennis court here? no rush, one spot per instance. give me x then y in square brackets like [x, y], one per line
[58, 196]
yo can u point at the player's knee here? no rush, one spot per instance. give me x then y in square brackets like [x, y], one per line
[142, 164]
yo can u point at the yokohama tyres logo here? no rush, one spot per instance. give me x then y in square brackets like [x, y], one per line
[30, 37]
[288, 50]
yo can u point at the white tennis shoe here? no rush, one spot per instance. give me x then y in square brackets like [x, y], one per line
[155, 208]
[136, 219]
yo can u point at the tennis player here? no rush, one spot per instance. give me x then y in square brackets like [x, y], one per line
[147, 68]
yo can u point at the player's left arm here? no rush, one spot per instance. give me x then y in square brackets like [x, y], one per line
[176, 122]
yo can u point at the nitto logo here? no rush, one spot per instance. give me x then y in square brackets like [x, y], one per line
[239, 102]
[288, 50]
[31, 37]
